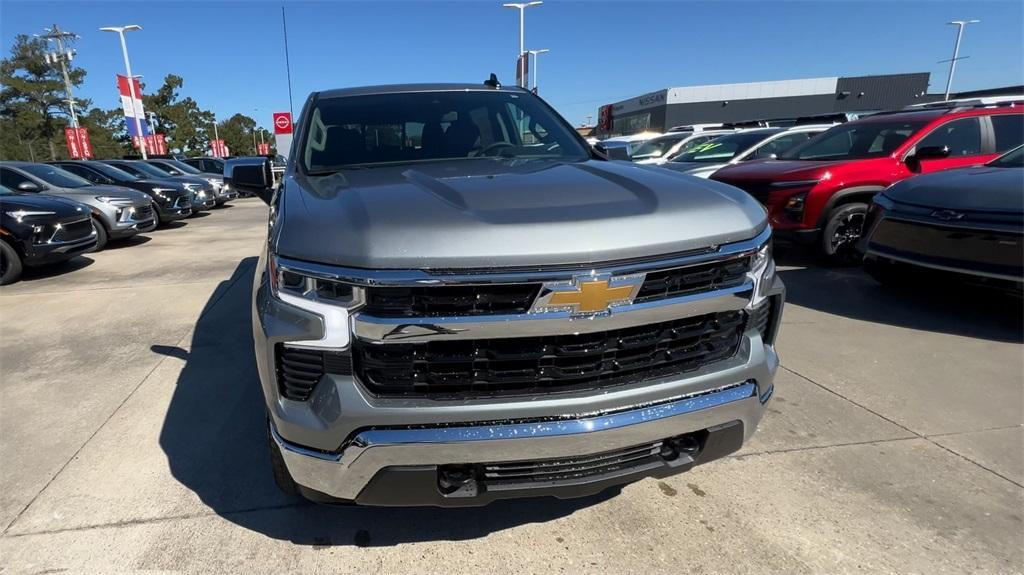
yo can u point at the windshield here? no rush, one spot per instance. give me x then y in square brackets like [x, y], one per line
[658, 146]
[113, 173]
[724, 148]
[1011, 159]
[382, 129]
[855, 141]
[183, 166]
[55, 176]
[144, 169]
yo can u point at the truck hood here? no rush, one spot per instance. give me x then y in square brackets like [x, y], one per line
[982, 189]
[487, 213]
[776, 170]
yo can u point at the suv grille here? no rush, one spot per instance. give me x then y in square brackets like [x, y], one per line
[143, 213]
[74, 231]
[299, 370]
[517, 298]
[549, 363]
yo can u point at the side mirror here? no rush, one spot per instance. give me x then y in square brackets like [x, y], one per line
[28, 187]
[613, 152]
[913, 161]
[252, 175]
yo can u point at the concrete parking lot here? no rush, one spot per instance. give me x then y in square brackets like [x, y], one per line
[131, 438]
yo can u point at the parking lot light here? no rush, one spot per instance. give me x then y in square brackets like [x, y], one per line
[120, 30]
[522, 6]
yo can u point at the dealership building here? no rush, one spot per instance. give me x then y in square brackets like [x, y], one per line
[661, 110]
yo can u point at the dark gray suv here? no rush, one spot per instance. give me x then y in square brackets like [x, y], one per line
[459, 302]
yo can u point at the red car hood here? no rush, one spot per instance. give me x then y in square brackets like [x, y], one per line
[774, 170]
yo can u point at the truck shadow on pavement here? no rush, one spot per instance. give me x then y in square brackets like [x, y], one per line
[215, 443]
[947, 308]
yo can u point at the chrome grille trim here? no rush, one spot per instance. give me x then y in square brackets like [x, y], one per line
[412, 330]
[385, 277]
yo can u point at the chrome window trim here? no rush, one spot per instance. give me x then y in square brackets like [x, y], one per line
[392, 277]
[422, 329]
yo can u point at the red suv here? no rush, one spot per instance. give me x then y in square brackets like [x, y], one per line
[818, 192]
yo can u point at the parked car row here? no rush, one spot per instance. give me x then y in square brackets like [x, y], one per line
[819, 181]
[55, 211]
[818, 192]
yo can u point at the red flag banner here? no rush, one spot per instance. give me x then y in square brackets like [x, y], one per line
[71, 137]
[84, 145]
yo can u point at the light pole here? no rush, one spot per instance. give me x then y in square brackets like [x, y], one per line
[120, 30]
[522, 6]
[62, 56]
[960, 25]
[536, 66]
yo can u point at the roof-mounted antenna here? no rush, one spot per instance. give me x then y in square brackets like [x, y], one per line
[492, 82]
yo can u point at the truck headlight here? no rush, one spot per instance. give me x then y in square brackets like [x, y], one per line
[762, 271]
[314, 291]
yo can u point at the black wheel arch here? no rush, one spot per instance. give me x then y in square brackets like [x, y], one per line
[847, 196]
[14, 242]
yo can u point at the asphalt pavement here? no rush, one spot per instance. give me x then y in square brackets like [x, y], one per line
[131, 439]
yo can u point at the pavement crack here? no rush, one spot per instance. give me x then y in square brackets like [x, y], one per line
[150, 520]
[903, 427]
[820, 447]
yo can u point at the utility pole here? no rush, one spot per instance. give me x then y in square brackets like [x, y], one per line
[120, 30]
[522, 6]
[62, 56]
[960, 25]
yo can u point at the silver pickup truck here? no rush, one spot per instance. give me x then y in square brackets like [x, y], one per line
[460, 301]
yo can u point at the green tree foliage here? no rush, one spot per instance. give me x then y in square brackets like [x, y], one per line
[237, 132]
[107, 132]
[188, 127]
[33, 113]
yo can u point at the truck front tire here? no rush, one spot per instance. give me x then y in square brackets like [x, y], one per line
[282, 478]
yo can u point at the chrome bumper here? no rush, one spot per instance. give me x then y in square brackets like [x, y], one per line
[346, 474]
[736, 391]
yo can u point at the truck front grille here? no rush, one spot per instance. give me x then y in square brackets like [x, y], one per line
[502, 299]
[550, 363]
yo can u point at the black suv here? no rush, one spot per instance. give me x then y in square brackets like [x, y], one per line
[37, 230]
[171, 201]
[209, 165]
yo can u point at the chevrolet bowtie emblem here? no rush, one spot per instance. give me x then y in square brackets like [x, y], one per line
[588, 295]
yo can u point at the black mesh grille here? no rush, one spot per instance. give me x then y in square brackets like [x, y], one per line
[549, 363]
[143, 213]
[517, 298]
[299, 370]
[450, 300]
[693, 279]
[556, 470]
[74, 231]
